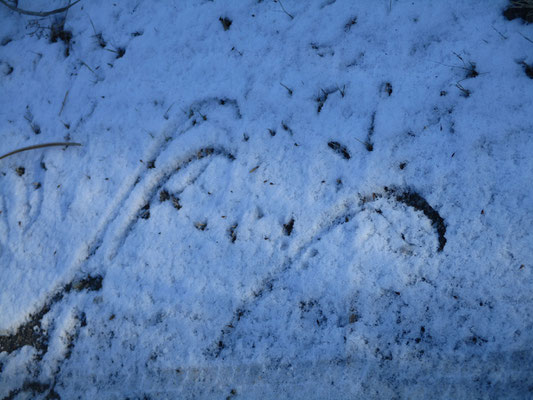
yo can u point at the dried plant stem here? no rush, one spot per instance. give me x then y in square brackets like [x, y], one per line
[37, 13]
[525, 37]
[288, 89]
[283, 8]
[63, 104]
[40, 146]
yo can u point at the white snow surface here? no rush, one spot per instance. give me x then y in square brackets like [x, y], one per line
[223, 231]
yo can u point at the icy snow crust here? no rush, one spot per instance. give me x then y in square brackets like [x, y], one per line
[254, 210]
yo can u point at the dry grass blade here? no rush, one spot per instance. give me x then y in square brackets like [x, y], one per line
[283, 8]
[38, 13]
[40, 146]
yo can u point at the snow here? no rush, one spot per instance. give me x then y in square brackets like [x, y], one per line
[205, 241]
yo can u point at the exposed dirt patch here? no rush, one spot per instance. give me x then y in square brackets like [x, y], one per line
[31, 332]
[36, 388]
[517, 11]
[164, 196]
[413, 199]
[59, 33]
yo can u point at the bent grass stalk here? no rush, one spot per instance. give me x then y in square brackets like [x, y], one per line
[39, 146]
[38, 13]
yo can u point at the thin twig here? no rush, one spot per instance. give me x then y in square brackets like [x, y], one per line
[525, 37]
[501, 34]
[91, 21]
[342, 91]
[38, 13]
[452, 66]
[165, 115]
[460, 58]
[368, 146]
[288, 89]
[63, 104]
[447, 65]
[465, 92]
[89, 68]
[40, 146]
[278, 1]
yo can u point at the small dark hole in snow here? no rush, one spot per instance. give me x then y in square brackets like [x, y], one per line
[200, 225]
[120, 52]
[528, 69]
[176, 202]
[226, 22]
[472, 72]
[388, 88]
[90, 283]
[164, 196]
[321, 100]
[349, 24]
[100, 39]
[338, 184]
[288, 227]
[58, 32]
[145, 212]
[339, 149]
[233, 233]
[8, 70]
[286, 127]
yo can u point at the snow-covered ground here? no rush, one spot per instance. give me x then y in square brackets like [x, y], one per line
[319, 199]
